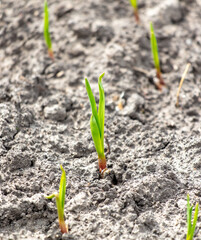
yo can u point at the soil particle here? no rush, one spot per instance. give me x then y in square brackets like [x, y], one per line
[19, 157]
[134, 107]
[166, 12]
[76, 50]
[55, 112]
[62, 9]
[102, 31]
[81, 29]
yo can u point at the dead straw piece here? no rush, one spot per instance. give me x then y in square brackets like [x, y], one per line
[181, 82]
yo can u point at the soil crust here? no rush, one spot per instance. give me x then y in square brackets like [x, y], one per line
[155, 148]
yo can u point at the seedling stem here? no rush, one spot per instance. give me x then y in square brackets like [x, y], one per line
[134, 3]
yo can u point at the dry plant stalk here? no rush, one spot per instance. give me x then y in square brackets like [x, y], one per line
[181, 82]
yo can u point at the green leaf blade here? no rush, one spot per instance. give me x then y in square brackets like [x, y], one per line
[189, 210]
[134, 4]
[96, 136]
[92, 102]
[195, 219]
[62, 189]
[50, 196]
[46, 27]
[101, 109]
[154, 47]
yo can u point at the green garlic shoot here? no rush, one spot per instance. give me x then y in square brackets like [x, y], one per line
[46, 31]
[191, 227]
[154, 50]
[60, 201]
[97, 122]
[134, 3]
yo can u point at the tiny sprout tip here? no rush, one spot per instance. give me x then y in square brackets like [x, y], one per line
[190, 226]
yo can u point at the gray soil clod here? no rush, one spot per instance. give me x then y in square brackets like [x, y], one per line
[155, 148]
